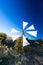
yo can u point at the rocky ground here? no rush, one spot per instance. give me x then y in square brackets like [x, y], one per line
[8, 56]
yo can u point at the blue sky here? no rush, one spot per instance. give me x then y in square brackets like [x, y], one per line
[14, 12]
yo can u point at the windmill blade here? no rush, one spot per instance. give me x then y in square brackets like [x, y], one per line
[14, 37]
[24, 24]
[33, 33]
[31, 28]
[13, 30]
[25, 42]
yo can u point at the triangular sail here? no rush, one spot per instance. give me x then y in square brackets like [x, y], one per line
[33, 33]
[31, 28]
[24, 24]
[25, 42]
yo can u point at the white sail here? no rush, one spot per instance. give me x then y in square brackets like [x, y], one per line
[24, 24]
[33, 33]
[31, 28]
[25, 42]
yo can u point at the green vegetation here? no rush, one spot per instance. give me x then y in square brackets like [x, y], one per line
[3, 36]
[18, 45]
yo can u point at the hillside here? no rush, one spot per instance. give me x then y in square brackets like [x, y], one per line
[16, 54]
[33, 54]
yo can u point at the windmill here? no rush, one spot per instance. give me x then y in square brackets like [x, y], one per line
[30, 30]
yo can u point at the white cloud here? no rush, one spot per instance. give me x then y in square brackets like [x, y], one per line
[14, 31]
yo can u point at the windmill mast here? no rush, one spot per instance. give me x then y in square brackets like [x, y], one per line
[22, 35]
[24, 40]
